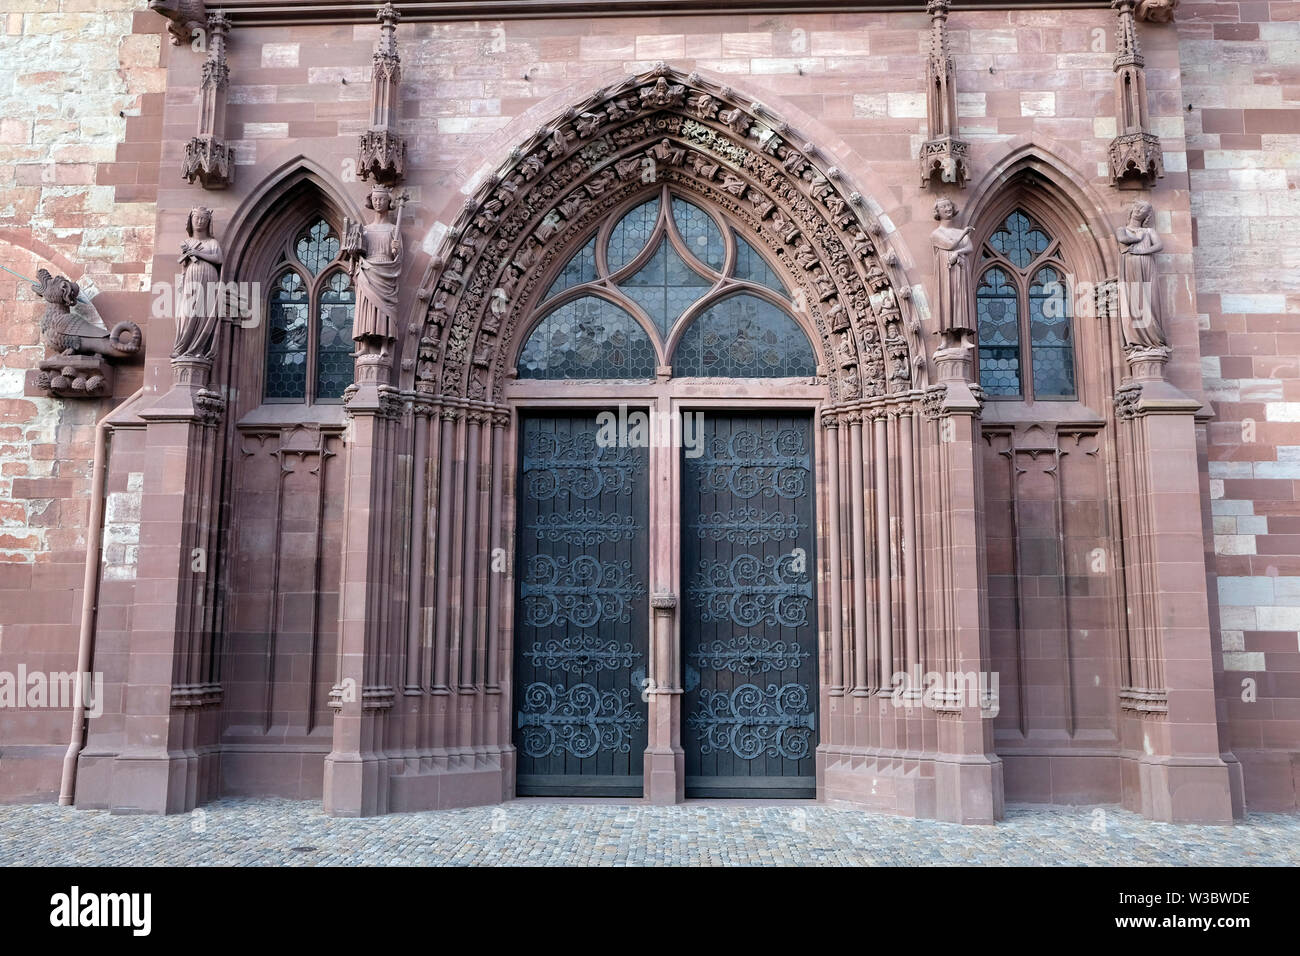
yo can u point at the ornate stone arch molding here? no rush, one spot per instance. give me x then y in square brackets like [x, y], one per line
[663, 126]
[1033, 178]
[1055, 178]
[275, 197]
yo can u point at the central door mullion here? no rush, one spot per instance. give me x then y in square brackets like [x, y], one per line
[664, 763]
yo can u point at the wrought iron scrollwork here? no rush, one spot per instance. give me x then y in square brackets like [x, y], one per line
[578, 465]
[585, 527]
[749, 655]
[750, 723]
[749, 526]
[580, 720]
[575, 653]
[751, 591]
[581, 592]
[749, 463]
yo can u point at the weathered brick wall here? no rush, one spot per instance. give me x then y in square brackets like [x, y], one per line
[76, 88]
[1241, 82]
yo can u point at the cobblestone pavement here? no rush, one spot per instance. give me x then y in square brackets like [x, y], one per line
[278, 832]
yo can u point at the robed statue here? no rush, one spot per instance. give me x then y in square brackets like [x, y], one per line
[198, 308]
[1141, 311]
[375, 253]
[953, 250]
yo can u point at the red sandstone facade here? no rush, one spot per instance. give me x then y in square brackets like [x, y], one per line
[299, 597]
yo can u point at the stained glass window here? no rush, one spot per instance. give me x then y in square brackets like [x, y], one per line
[752, 267]
[588, 338]
[334, 346]
[309, 333]
[286, 359]
[1049, 335]
[616, 326]
[744, 336]
[665, 286]
[1020, 240]
[632, 234]
[700, 233]
[998, 313]
[1022, 305]
[581, 268]
[318, 248]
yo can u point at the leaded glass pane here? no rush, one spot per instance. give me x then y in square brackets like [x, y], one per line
[752, 267]
[744, 337]
[1020, 240]
[665, 286]
[700, 233]
[997, 309]
[581, 268]
[588, 338]
[318, 248]
[334, 347]
[1049, 335]
[286, 351]
[632, 233]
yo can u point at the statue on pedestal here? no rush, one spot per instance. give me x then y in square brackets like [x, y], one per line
[375, 253]
[198, 306]
[1141, 312]
[952, 264]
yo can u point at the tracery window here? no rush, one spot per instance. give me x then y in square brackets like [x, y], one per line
[1023, 312]
[665, 271]
[309, 320]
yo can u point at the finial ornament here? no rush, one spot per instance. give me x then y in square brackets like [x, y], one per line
[944, 157]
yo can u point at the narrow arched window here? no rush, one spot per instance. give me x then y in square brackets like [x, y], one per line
[310, 309]
[1023, 313]
[666, 274]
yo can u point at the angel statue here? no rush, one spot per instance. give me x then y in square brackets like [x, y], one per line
[1141, 312]
[375, 254]
[952, 255]
[69, 334]
[197, 310]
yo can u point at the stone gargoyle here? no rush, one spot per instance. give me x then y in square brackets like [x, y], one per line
[184, 16]
[79, 368]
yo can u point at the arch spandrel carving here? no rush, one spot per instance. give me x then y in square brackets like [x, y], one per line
[663, 126]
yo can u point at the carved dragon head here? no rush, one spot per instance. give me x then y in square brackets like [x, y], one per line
[57, 290]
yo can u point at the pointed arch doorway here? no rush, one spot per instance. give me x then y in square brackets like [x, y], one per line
[689, 460]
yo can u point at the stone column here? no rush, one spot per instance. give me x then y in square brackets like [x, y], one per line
[167, 758]
[968, 774]
[1174, 769]
[356, 770]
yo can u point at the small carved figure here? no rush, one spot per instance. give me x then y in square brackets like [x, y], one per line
[1140, 308]
[70, 334]
[184, 16]
[952, 254]
[1156, 11]
[198, 311]
[375, 253]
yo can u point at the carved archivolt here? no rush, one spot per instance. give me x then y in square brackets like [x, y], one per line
[654, 128]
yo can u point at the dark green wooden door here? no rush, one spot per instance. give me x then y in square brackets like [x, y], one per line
[581, 618]
[749, 621]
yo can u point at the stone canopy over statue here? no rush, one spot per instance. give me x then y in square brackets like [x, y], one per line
[375, 253]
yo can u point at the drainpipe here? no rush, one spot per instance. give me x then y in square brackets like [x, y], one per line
[89, 602]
